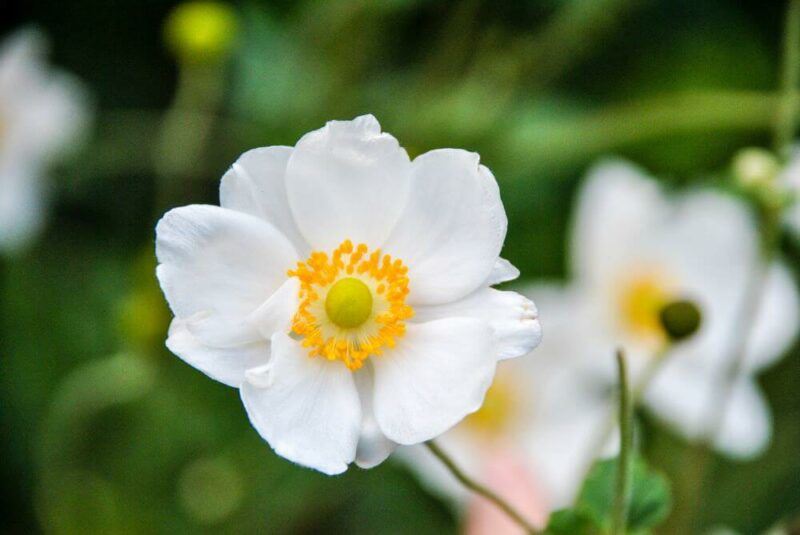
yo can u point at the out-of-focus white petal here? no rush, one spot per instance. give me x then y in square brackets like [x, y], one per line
[748, 423]
[217, 266]
[276, 314]
[226, 365]
[513, 318]
[778, 320]
[437, 374]
[373, 446]
[682, 395]
[21, 210]
[256, 185]
[615, 204]
[306, 408]
[452, 229]
[503, 271]
[45, 108]
[347, 180]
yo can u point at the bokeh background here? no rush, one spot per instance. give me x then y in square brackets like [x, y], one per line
[103, 431]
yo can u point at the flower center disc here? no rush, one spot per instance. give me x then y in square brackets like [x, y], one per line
[352, 303]
[349, 303]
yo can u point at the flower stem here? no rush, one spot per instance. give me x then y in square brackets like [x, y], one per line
[479, 489]
[786, 120]
[623, 480]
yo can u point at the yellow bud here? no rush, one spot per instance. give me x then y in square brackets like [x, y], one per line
[200, 32]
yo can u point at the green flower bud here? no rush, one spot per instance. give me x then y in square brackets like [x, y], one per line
[201, 31]
[680, 319]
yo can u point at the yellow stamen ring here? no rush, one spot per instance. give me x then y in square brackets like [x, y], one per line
[352, 303]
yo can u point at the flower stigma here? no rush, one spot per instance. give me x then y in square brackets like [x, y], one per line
[349, 303]
[352, 303]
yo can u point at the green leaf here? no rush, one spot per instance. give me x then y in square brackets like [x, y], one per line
[571, 522]
[650, 496]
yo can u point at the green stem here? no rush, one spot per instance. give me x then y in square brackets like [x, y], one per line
[637, 391]
[786, 120]
[186, 130]
[623, 481]
[479, 489]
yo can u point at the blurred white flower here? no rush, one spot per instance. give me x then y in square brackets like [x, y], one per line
[346, 291]
[41, 113]
[634, 249]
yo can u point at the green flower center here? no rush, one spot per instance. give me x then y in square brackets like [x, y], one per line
[349, 303]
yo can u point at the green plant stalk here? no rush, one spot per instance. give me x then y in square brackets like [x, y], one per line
[636, 392]
[786, 119]
[479, 489]
[622, 489]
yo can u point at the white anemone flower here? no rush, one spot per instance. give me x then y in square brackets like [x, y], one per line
[41, 112]
[634, 249]
[346, 291]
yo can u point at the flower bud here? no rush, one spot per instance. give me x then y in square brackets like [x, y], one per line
[754, 167]
[200, 31]
[680, 319]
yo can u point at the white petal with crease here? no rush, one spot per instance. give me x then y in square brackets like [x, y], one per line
[226, 365]
[309, 411]
[373, 446]
[347, 180]
[220, 264]
[513, 318]
[452, 229]
[437, 374]
[256, 185]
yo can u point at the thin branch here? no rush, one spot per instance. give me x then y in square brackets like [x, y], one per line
[479, 489]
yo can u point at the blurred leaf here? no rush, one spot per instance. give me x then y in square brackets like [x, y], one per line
[650, 496]
[571, 522]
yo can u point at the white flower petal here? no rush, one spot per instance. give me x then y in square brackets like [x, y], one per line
[347, 180]
[226, 365]
[276, 314]
[437, 374]
[503, 271]
[21, 211]
[748, 424]
[682, 396]
[513, 318]
[452, 229]
[45, 108]
[778, 319]
[307, 408]
[256, 185]
[373, 446]
[616, 203]
[217, 266]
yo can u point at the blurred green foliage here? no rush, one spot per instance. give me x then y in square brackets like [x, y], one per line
[104, 431]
